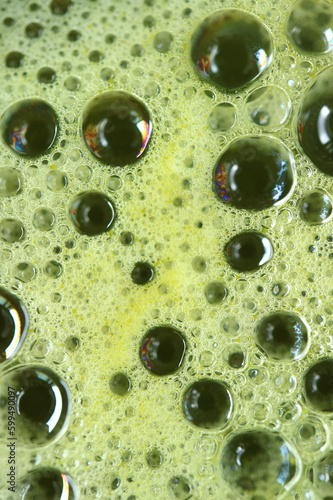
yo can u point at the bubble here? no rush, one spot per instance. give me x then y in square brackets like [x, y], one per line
[116, 128]
[72, 343]
[43, 219]
[179, 488]
[231, 326]
[322, 474]
[29, 127]
[199, 264]
[254, 173]
[258, 462]
[42, 405]
[318, 382]
[163, 41]
[142, 273]
[231, 48]
[310, 25]
[24, 271]
[60, 7]
[72, 83]
[315, 122]
[149, 22]
[14, 324]
[154, 458]
[126, 238]
[10, 181]
[46, 75]
[269, 107]
[14, 59]
[11, 230]
[120, 384]
[311, 434]
[56, 180]
[74, 35]
[222, 117]
[42, 483]
[53, 269]
[92, 213]
[107, 74]
[248, 251]
[96, 56]
[207, 404]
[316, 207]
[137, 50]
[34, 30]
[162, 350]
[283, 336]
[215, 292]
[236, 358]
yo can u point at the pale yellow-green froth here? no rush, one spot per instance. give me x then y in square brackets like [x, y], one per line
[166, 201]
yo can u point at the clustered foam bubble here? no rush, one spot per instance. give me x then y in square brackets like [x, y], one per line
[166, 201]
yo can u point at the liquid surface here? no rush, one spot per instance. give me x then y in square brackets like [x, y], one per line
[126, 435]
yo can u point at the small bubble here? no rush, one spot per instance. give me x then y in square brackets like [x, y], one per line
[56, 180]
[46, 75]
[11, 230]
[163, 41]
[222, 117]
[72, 83]
[53, 269]
[14, 59]
[24, 272]
[199, 264]
[154, 458]
[120, 384]
[43, 219]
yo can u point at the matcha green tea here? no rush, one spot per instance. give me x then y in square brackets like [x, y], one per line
[166, 278]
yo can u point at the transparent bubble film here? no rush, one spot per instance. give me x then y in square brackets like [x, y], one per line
[166, 216]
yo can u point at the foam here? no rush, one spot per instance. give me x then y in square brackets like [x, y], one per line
[94, 298]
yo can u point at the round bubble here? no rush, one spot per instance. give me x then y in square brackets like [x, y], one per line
[142, 273]
[116, 128]
[268, 107]
[14, 323]
[310, 26]
[29, 127]
[248, 251]
[207, 404]
[258, 461]
[316, 207]
[10, 181]
[92, 213]
[315, 122]
[42, 405]
[222, 117]
[231, 48]
[162, 350]
[319, 385]
[322, 474]
[11, 230]
[283, 336]
[46, 483]
[254, 173]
